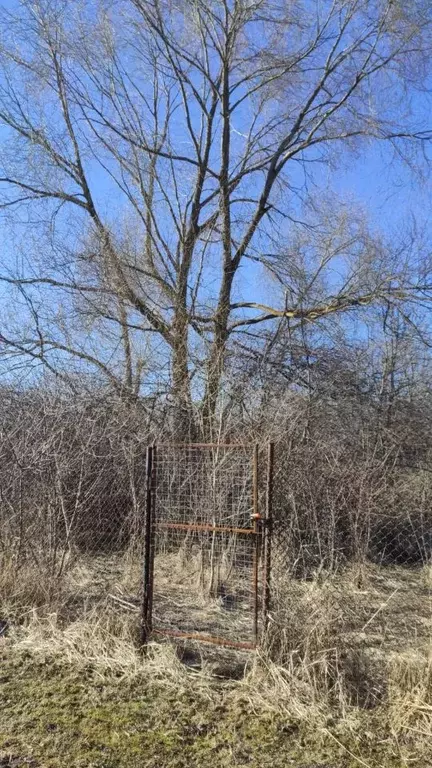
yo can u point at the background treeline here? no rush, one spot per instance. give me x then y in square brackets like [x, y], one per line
[353, 458]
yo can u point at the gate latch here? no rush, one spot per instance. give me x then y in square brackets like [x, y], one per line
[260, 520]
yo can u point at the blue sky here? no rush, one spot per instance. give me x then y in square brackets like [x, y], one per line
[374, 178]
[390, 191]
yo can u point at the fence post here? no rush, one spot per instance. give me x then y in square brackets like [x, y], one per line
[147, 594]
[267, 537]
[257, 542]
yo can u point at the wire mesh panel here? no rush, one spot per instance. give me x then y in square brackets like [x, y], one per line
[205, 575]
[352, 565]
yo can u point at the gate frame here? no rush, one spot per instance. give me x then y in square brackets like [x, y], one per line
[261, 529]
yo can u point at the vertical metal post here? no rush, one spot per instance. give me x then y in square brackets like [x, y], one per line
[153, 486]
[267, 537]
[147, 595]
[256, 552]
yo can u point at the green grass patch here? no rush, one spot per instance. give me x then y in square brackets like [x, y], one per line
[59, 715]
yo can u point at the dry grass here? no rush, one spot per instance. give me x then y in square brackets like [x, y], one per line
[24, 588]
[427, 576]
[184, 601]
[347, 643]
[410, 694]
[312, 692]
[389, 608]
[347, 660]
[314, 681]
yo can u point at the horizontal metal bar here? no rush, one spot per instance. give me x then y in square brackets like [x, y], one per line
[205, 639]
[205, 445]
[204, 527]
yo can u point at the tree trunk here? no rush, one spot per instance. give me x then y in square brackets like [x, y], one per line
[183, 416]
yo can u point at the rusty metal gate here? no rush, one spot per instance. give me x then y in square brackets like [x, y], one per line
[207, 543]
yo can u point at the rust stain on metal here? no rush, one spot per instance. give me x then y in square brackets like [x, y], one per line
[147, 601]
[205, 445]
[256, 552]
[205, 638]
[267, 537]
[205, 527]
[189, 489]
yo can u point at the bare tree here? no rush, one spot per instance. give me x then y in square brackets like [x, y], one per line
[162, 148]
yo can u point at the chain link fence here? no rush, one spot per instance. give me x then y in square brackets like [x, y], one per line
[351, 541]
[351, 562]
[72, 493]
